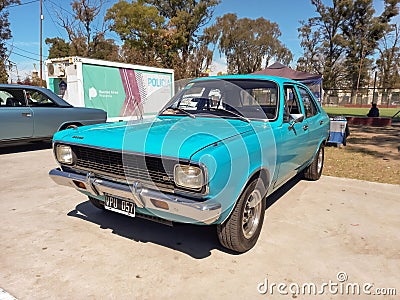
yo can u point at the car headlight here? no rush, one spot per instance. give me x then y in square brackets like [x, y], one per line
[64, 154]
[190, 177]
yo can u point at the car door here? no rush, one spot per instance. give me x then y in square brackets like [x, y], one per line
[313, 117]
[48, 114]
[16, 118]
[293, 137]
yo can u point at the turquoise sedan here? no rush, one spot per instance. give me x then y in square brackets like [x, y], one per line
[214, 153]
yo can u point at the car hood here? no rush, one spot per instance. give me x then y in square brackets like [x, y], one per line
[168, 136]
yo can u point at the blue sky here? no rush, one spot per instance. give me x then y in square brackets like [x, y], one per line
[24, 21]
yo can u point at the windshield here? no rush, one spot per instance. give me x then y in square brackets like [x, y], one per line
[229, 98]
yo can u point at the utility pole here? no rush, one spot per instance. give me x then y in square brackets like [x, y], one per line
[41, 48]
[373, 95]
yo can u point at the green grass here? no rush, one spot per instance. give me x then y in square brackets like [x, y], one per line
[361, 112]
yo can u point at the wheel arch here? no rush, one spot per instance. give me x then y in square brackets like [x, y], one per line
[69, 123]
[261, 173]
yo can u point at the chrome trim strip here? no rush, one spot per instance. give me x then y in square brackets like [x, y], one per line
[205, 212]
[90, 184]
[119, 190]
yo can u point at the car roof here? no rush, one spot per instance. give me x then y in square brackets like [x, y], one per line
[45, 91]
[20, 86]
[279, 80]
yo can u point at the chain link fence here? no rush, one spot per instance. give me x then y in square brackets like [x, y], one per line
[364, 97]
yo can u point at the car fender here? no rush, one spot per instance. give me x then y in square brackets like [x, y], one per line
[261, 173]
[78, 123]
[230, 169]
[321, 142]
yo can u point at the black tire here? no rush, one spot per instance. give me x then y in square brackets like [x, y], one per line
[237, 234]
[69, 126]
[96, 203]
[314, 171]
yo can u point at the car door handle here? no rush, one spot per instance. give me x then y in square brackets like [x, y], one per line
[28, 115]
[321, 122]
[305, 127]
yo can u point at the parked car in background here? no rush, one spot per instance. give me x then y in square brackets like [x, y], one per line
[212, 155]
[30, 113]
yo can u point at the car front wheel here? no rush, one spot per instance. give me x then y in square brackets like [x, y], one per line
[314, 171]
[241, 230]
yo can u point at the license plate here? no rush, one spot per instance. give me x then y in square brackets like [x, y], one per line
[118, 205]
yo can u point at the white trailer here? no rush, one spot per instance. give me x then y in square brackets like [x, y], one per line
[122, 90]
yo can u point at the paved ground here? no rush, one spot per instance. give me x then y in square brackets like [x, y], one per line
[54, 244]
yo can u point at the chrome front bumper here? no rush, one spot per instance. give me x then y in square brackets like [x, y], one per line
[203, 212]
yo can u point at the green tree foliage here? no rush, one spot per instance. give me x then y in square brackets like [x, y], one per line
[5, 34]
[58, 47]
[164, 33]
[247, 43]
[186, 18]
[141, 28]
[322, 40]
[340, 42]
[102, 48]
[361, 34]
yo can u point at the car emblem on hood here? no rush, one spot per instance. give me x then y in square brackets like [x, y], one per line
[77, 137]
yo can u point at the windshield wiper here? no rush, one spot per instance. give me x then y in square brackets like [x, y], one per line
[182, 111]
[241, 117]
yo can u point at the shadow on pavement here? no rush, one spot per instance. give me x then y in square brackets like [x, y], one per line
[271, 199]
[193, 240]
[25, 147]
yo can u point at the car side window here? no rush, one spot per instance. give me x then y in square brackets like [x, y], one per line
[308, 102]
[38, 99]
[291, 104]
[12, 98]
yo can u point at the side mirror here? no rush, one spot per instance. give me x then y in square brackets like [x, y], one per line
[295, 118]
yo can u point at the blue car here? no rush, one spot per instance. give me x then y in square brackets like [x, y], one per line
[31, 113]
[214, 153]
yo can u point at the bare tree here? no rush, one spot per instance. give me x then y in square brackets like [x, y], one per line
[389, 60]
[80, 25]
[86, 12]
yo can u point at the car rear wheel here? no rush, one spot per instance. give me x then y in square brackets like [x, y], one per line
[96, 202]
[314, 171]
[241, 230]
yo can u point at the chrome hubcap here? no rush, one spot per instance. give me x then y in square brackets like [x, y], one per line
[320, 160]
[251, 214]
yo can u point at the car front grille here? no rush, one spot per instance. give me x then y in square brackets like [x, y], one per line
[125, 165]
